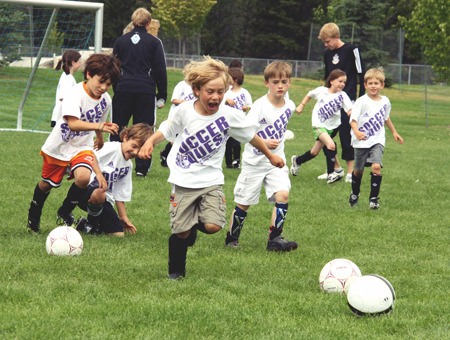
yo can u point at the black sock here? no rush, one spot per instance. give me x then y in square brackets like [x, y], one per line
[37, 203]
[73, 197]
[177, 255]
[331, 159]
[307, 156]
[375, 183]
[201, 227]
[236, 225]
[356, 184]
[277, 229]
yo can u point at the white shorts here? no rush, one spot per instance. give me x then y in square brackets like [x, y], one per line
[252, 178]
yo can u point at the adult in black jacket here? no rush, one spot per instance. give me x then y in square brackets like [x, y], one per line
[143, 82]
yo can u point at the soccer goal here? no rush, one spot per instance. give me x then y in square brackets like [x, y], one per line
[33, 36]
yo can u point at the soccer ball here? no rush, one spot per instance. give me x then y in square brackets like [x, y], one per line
[371, 295]
[64, 241]
[337, 275]
[288, 135]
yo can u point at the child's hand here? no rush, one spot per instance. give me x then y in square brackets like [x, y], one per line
[272, 143]
[111, 128]
[246, 108]
[398, 138]
[102, 183]
[98, 144]
[277, 161]
[360, 135]
[299, 109]
[129, 227]
[146, 150]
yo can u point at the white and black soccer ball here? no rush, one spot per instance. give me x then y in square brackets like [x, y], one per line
[64, 241]
[371, 295]
[337, 275]
[288, 135]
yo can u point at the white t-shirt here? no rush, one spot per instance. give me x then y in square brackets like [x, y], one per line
[66, 82]
[195, 160]
[182, 91]
[117, 172]
[63, 143]
[241, 98]
[370, 115]
[327, 111]
[272, 123]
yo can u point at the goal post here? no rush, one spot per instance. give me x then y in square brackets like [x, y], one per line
[56, 5]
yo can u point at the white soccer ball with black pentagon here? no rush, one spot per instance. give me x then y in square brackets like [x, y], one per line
[337, 275]
[371, 295]
[64, 241]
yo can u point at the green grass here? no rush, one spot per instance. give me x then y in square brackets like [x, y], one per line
[117, 289]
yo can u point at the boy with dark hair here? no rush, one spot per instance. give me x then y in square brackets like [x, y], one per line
[71, 142]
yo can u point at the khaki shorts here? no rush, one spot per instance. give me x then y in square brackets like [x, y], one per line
[190, 206]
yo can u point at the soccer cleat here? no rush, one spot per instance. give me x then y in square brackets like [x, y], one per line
[176, 276]
[163, 159]
[232, 244]
[33, 226]
[84, 226]
[353, 200]
[236, 164]
[348, 178]
[373, 203]
[64, 219]
[335, 176]
[323, 176]
[279, 243]
[294, 166]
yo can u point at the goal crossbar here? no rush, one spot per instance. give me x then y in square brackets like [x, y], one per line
[56, 5]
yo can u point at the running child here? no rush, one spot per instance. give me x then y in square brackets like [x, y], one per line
[199, 129]
[370, 114]
[271, 114]
[239, 98]
[70, 63]
[71, 141]
[326, 118]
[115, 163]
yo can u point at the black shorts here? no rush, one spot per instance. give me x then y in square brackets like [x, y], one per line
[109, 220]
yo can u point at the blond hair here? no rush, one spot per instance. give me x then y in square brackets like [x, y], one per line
[141, 17]
[375, 73]
[278, 69]
[329, 30]
[198, 73]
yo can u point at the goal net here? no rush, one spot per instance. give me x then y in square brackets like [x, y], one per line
[33, 37]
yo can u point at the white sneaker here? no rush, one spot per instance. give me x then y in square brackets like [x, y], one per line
[335, 176]
[294, 166]
[323, 176]
[348, 178]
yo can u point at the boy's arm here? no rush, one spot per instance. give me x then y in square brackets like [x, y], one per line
[391, 127]
[76, 124]
[102, 184]
[147, 149]
[258, 143]
[358, 134]
[122, 212]
[302, 105]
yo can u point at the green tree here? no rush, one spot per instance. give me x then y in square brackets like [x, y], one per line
[55, 39]
[182, 19]
[429, 26]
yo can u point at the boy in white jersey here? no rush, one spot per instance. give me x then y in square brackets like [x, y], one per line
[199, 130]
[71, 142]
[240, 99]
[370, 114]
[271, 114]
[115, 163]
[326, 119]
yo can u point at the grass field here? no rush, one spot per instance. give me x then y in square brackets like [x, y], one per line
[117, 289]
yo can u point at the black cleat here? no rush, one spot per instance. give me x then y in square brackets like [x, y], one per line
[64, 219]
[279, 243]
[33, 226]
